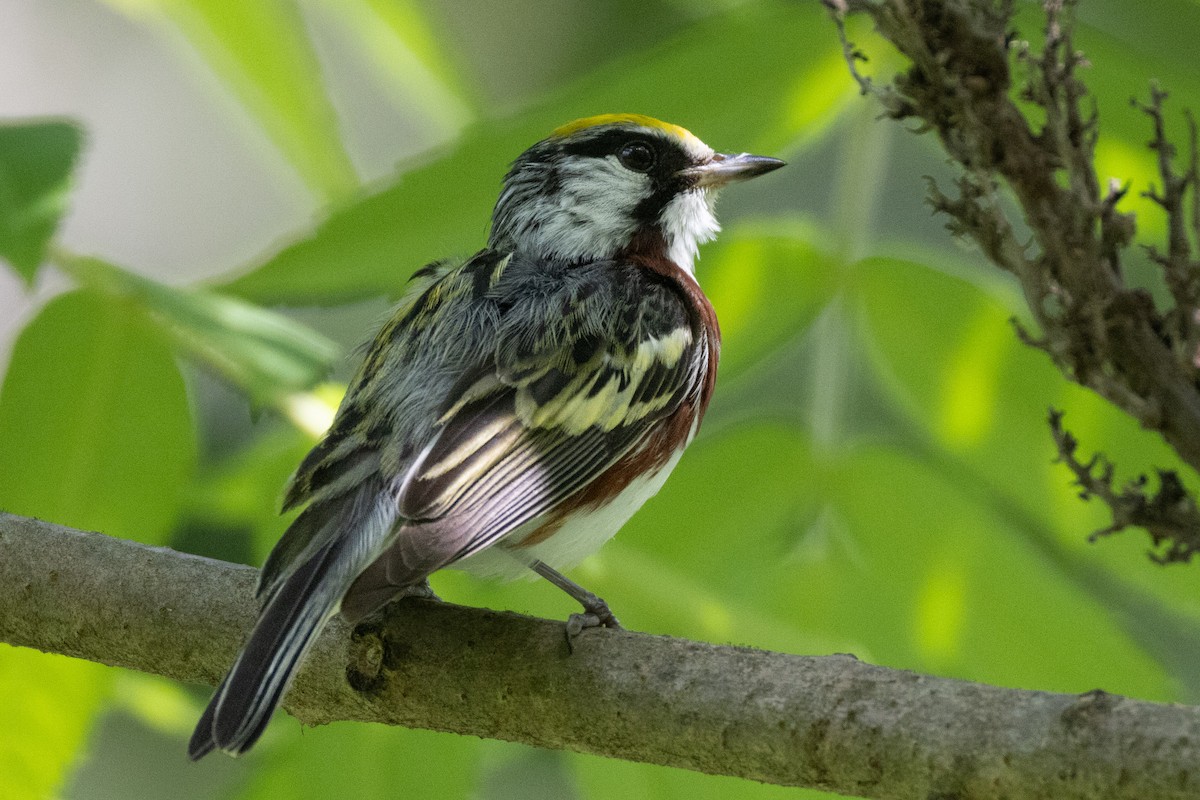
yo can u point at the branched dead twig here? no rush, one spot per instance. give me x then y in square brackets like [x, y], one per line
[1181, 270]
[1169, 515]
[894, 105]
[1099, 330]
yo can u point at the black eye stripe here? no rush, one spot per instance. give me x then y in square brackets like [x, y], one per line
[670, 158]
[597, 145]
[610, 143]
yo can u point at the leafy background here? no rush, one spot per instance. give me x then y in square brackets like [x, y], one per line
[245, 185]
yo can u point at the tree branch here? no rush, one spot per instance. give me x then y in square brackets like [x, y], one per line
[1100, 330]
[830, 722]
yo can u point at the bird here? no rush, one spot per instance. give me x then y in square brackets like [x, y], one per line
[516, 408]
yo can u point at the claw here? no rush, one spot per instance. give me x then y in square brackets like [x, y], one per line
[577, 622]
[596, 613]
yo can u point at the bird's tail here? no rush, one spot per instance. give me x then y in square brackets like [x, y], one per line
[296, 611]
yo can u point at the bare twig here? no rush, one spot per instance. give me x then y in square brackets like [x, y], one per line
[1169, 515]
[831, 722]
[1100, 331]
[1180, 269]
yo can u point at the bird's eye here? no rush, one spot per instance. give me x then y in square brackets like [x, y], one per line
[636, 156]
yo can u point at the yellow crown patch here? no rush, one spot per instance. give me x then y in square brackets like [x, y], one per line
[630, 119]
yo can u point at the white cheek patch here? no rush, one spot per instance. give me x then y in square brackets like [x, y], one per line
[590, 211]
[597, 199]
[687, 222]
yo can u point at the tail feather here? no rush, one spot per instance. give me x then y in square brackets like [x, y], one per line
[242, 706]
[202, 742]
[298, 604]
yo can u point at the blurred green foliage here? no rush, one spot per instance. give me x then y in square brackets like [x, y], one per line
[36, 163]
[875, 477]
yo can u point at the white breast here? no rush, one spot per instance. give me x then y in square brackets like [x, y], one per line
[579, 536]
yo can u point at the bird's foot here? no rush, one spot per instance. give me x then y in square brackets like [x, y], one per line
[421, 590]
[595, 614]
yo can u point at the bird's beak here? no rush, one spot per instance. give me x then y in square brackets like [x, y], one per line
[723, 169]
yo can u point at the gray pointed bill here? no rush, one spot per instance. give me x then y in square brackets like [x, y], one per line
[723, 169]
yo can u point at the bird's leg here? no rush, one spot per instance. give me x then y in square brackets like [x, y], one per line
[595, 611]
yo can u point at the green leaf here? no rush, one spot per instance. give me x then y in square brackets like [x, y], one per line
[766, 282]
[407, 55]
[371, 246]
[608, 777]
[262, 352]
[37, 161]
[945, 349]
[95, 422]
[242, 492]
[376, 760]
[945, 584]
[158, 703]
[514, 772]
[873, 550]
[97, 435]
[981, 396]
[49, 704]
[262, 52]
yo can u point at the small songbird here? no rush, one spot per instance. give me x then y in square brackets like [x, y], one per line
[516, 409]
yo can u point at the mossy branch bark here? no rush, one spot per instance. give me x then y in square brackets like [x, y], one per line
[829, 722]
